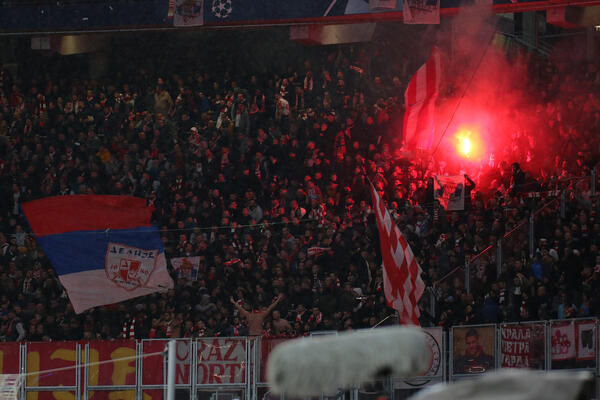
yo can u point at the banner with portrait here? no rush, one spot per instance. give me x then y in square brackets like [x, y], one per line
[523, 345]
[473, 349]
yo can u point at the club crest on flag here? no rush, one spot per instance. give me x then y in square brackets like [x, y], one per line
[128, 267]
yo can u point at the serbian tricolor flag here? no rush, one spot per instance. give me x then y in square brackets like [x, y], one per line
[104, 248]
[419, 100]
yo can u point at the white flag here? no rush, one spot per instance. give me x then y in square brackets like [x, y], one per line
[189, 13]
[186, 267]
[450, 191]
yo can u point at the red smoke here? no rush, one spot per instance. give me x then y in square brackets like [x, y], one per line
[482, 105]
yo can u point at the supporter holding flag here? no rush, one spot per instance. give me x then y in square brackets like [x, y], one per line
[104, 248]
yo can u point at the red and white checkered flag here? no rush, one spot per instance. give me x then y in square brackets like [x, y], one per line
[419, 100]
[402, 281]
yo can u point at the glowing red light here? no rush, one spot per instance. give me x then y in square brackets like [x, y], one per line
[467, 143]
[465, 146]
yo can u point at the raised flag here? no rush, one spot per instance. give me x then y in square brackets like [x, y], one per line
[450, 191]
[402, 282]
[421, 11]
[419, 100]
[189, 13]
[104, 248]
[186, 267]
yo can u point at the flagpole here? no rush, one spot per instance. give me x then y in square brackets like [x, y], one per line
[383, 320]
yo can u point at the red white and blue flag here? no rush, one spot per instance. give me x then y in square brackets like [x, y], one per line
[402, 282]
[419, 100]
[186, 267]
[104, 248]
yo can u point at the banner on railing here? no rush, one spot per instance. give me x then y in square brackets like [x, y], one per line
[435, 370]
[586, 336]
[111, 363]
[473, 349]
[219, 360]
[563, 340]
[523, 346]
[44, 356]
[267, 346]
[574, 344]
[9, 358]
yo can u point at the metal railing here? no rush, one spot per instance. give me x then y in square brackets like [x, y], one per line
[136, 370]
[521, 241]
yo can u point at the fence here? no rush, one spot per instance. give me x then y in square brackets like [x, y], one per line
[524, 232]
[234, 368]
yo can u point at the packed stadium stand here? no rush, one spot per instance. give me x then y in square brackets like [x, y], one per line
[259, 156]
[264, 174]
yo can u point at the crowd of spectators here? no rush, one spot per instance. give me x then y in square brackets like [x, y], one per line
[250, 171]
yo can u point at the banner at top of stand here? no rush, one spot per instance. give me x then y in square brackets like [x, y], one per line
[269, 10]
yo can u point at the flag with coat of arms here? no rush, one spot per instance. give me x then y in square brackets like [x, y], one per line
[104, 248]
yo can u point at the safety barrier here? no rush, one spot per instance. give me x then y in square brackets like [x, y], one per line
[233, 368]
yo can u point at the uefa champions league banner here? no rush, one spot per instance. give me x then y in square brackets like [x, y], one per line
[269, 10]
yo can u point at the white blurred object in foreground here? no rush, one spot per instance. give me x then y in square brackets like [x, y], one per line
[511, 384]
[312, 366]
